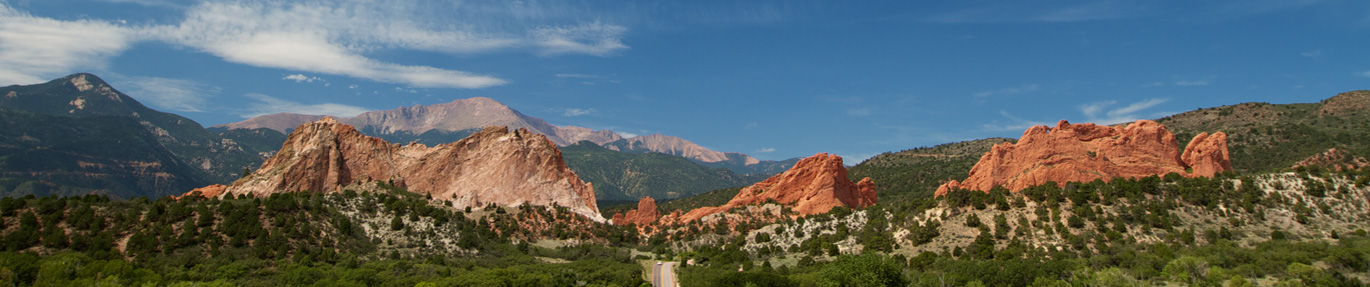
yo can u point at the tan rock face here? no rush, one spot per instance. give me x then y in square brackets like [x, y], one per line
[493, 166]
[645, 214]
[1085, 152]
[814, 185]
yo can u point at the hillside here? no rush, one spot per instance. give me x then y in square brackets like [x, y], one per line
[66, 156]
[916, 173]
[84, 95]
[619, 176]
[1268, 137]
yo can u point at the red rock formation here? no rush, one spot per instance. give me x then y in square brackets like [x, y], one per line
[814, 185]
[491, 166]
[1085, 152]
[645, 214]
[207, 191]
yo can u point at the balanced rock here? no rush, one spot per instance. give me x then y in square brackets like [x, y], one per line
[645, 214]
[1085, 152]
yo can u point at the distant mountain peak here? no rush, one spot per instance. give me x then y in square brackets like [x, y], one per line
[465, 115]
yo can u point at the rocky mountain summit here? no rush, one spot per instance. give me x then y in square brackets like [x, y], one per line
[493, 166]
[1085, 152]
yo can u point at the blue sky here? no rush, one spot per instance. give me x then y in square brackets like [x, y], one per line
[774, 79]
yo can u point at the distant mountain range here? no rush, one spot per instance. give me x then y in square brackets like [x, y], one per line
[448, 122]
[78, 135]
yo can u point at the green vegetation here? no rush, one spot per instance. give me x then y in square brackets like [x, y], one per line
[916, 173]
[620, 176]
[54, 155]
[301, 239]
[1263, 137]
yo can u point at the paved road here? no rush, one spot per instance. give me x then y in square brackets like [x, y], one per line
[664, 275]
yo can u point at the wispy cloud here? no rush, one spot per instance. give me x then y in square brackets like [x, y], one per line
[1014, 123]
[151, 3]
[1191, 83]
[35, 49]
[1008, 91]
[168, 94]
[1312, 54]
[587, 79]
[270, 105]
[301, 78]
[327, 37]
[1003, 12]
[1365, 74]
[765, 150]
[1100, 113]
[574, 112]
[626, 134]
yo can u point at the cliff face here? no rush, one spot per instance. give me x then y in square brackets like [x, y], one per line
[492, 166]
[1085, 152]
[814, 185]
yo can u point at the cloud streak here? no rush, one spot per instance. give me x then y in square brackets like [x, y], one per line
[267, 105]
[35, 49]
[1099, 112]
[170, 94]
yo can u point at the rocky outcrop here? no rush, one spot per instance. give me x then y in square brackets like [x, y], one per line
[1353, 102]
[675, 146]
[207, 191]
[814, 185]
[493, 166]
[645, 214]
[1336, 159]
[1085, 152]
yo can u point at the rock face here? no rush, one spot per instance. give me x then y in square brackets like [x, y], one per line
[675, 146]
[814, 185]
[493, 166]
[1085, 152]
[645, 214]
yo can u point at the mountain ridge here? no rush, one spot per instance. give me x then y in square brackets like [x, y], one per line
[445, 122]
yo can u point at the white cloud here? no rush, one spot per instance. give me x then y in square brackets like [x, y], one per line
[331, 37]
[1009, 91]
[573, 112]
[1119, 115]
[751, 125]
[1312, 54]
[327, 37]
[168, 94]
[36, 49]
[766, 150]
[1365, 74]
[591, 39]
[1191, 83]
[300, 78]
[270, 105]
[626, 134]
